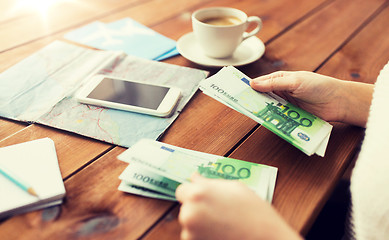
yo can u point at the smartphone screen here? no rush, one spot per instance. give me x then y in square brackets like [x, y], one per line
[130, 93]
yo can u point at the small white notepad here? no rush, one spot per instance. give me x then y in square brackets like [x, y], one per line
[36, 162]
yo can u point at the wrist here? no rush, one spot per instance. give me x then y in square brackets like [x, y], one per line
[355, 102]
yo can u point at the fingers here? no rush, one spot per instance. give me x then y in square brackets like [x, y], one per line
[190, 190]
[186, 235]
[186, 220]
[197, 178]
[192, 209]
[272, 75]
[277, 81]
[182, 192]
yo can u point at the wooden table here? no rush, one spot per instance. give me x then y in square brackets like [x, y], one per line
[347, 39]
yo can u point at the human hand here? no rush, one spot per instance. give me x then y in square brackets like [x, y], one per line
[227, 209]
[317, 94]
[328, 98]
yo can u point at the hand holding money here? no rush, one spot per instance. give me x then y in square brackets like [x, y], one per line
[156, 169]
[302, 129]
[219, 209]
[329, 98]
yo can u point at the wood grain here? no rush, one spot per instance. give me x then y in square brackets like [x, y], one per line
[363, 57]
[93, 208]
[342, 38]
[317, 37]
[9, 127]
[305, 183]
[22, 25]
[73, 151]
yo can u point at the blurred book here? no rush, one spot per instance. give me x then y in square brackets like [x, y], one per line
[125, 35]
[37, 164]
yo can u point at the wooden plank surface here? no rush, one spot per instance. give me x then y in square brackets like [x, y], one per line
[73, 151]
[9, 127]
[93, 208]
[321, 34]
[25, 24]
[298, 195]
[277, 16]
[306, 45]
[362, 58]
[192, 129]
[300, 35]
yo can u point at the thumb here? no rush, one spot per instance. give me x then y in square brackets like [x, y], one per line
[197, 178]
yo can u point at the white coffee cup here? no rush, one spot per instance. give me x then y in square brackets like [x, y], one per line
[220, 30]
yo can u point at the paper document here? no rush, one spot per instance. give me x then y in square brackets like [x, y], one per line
[125, 35]
[44, 93]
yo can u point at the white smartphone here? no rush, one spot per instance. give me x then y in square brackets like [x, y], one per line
[129, 95]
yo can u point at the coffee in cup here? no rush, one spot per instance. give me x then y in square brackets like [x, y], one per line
[222, 21]
[220, 30]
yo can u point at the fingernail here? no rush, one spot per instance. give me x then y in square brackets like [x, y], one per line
[256, 82]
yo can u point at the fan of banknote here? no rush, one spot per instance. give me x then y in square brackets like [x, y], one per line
[156, 169]
[302, 129]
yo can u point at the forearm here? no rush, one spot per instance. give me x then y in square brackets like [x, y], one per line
[355, 103]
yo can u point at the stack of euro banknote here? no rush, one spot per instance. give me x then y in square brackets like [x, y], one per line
[156, 169]
[302, 129]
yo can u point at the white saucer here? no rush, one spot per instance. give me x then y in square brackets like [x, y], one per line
[249, 51]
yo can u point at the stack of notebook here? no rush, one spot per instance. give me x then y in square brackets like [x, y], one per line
[30, 177]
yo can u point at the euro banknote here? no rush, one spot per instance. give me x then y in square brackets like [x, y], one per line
[137, 190]
[161, 167]
[137, 175]
[302, 129]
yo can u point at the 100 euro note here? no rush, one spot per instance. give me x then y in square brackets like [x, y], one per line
[161, 168]
[302, 129]
[142, 191]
